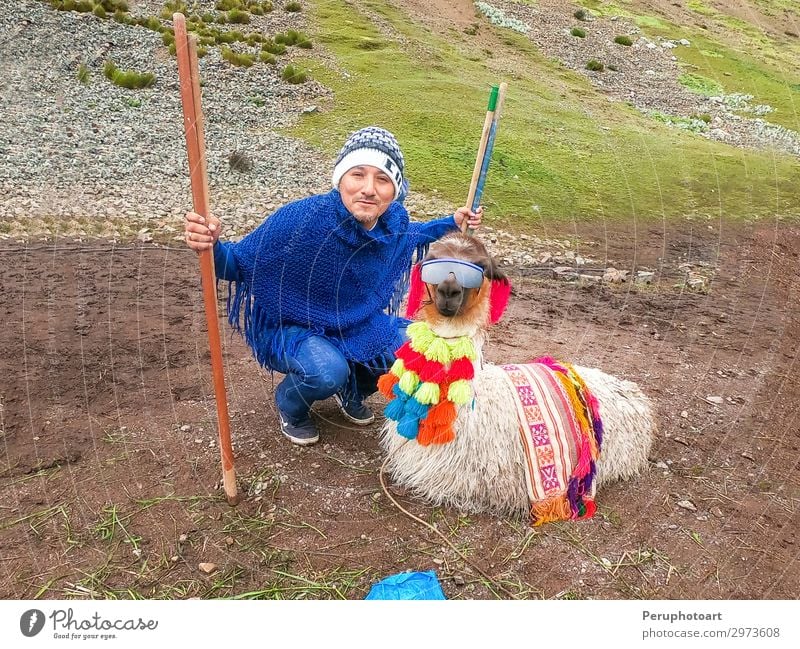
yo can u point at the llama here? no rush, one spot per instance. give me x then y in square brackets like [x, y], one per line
[482, 467]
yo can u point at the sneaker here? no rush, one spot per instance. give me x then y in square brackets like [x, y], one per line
[302, 434]
[355, 411]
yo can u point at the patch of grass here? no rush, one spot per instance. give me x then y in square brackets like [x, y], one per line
[241, 60]
[594, 65]
[110, 524]
[293, 7]
[549, 150]
[128, 78]
[293, 74]
[580, 14]
[266, 57]
[83, 74]
[578, 32]
[230, 36]
[292, 37]
[742, 73]
[623, 40]
[172, 6]
[272, 47]
[238, 17]
[700, 85]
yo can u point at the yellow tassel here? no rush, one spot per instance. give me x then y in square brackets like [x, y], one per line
[427, 393]
[461, 347]
[398, 367]
[409, 382]
[577, 407]
[420, 336]
[459, 392]
[438, 351]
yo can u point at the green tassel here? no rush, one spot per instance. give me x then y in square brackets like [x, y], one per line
[409, 382]
[427, 393]
[421, 340]
[461, 347]
[398, 368]
[438, 351]
[459, 392]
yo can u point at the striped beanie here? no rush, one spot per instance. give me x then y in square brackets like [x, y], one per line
[375, 147]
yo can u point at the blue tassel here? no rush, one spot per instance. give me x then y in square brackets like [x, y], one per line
[399, 394]
[394, 409]
[414, 407]
[408, 426]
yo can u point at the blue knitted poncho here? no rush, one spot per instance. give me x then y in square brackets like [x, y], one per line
[312, 264]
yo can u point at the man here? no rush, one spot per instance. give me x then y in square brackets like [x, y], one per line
[321, 280]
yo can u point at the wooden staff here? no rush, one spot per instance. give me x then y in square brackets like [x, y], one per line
[476, 189]
[476, 172]
[487, 156]
[186, 48]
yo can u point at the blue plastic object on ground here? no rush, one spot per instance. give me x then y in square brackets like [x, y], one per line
[408, 585]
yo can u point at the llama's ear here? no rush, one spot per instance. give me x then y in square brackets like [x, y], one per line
[415, 291]
[493, 272]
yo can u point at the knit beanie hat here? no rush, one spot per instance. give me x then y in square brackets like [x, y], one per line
[376, 147]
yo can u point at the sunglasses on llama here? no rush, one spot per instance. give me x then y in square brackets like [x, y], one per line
[435, 271]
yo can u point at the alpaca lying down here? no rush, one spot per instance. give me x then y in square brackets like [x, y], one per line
[461, 432]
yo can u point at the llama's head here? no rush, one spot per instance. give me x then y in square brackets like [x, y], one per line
[458, 286]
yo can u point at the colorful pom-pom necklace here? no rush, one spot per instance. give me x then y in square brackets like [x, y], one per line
[431, 376]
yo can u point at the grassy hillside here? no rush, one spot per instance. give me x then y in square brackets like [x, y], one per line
[563, 151]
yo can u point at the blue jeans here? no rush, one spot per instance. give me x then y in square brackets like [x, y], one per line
[317, 371]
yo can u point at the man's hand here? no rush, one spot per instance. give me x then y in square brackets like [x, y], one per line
[201, 233]
[473, 219]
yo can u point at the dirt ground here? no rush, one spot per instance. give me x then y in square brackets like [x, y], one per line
[109, 468]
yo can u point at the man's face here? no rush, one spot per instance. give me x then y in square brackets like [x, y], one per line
[366, 193]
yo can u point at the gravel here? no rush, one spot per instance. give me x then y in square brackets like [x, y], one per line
[72, 154]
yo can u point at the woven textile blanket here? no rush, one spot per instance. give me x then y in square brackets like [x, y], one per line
[561, 432]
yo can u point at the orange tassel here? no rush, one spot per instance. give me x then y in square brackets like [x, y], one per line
[443, 435]
[386, 383]
[556, 508]
[433, 434]
[442, 414]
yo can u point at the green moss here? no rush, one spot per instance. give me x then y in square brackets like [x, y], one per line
[578, 32]
[292, 7]
[623, 40]
[594, 65]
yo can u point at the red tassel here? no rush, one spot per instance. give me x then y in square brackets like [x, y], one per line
[416, 291]
[461, 368]
[432, 372]
[386, 383]
[498, 299]
[413, 361]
